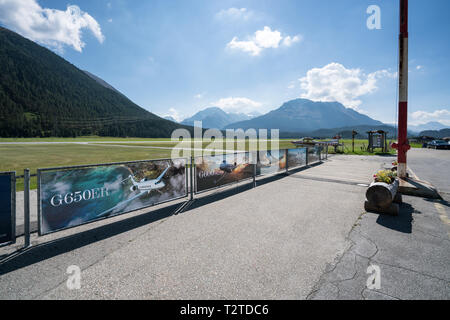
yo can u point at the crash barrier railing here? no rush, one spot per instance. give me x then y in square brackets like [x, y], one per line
[69, 197]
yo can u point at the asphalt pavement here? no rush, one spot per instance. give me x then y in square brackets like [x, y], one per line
[433, 166]
[408, 254]
[301, 236]
[269, 242]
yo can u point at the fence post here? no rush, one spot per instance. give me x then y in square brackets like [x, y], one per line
[26, 207]
[254, 169]
[287, 164]
[192, 178]
[307, 155]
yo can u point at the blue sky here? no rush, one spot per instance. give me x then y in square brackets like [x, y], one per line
[178, 57]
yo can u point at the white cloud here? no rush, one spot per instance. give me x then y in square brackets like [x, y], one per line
[174, 114]
[422, 117]
[263, 39]
[238, 105]
[334, 82]
[234, 14]
[246, 46]
[267, 38]
[199, 96]
[419, 67]
[51, 27]
[288, 41]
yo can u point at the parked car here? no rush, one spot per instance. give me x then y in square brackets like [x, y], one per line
[439, 144]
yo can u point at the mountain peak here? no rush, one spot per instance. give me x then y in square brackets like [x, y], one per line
[432, 125]
[215, 117]
[303, 115]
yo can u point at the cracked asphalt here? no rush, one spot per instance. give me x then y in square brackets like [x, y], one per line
[301, 236]
[412, 250]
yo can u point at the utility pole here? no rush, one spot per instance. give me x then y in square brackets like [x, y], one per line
[402, 145]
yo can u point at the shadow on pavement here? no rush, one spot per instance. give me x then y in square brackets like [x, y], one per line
[63, 245]
[443, 202]
[402, 222]
[54, 248]
[221, 194]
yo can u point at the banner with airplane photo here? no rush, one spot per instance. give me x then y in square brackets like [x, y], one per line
[220, 170]
[296, 158]
[75, 196]
[270, 162]
[7, 208]
[314, 154]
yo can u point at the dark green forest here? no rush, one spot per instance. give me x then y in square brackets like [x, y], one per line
[43, 95]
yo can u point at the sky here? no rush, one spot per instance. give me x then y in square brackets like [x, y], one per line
[178, 57]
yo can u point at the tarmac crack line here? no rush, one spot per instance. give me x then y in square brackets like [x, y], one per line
[382, 293]
[414, 271]
[322, 281]
[372, 260]
[431, 235]
[371, 241]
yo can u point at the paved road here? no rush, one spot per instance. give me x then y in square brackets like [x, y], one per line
[271, 242]
[102, 142]
[433, 166]
[300, 236]
[412, 251]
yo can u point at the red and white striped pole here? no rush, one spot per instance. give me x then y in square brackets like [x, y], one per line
[402, 145]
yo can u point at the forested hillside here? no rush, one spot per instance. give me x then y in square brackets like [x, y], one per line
[41, 94]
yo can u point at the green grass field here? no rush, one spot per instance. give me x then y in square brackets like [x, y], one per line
[17, 157]
[80, 139]
[361, 148]
[97, 150]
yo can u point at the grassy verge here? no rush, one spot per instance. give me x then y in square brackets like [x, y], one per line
[16, 157]
[80, 139]
[360, 148]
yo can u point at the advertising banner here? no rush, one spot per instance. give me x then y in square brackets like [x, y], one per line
[75, 196]
[215, 171]
[7, 208]
[313, 154]
[296, 158]
[270, 162]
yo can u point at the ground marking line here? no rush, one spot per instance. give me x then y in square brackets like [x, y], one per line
[327, 179]
[414, 175]
[442, 213]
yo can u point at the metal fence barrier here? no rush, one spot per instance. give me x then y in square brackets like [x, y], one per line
[69, 197]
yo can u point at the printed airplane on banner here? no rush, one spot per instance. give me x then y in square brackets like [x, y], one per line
[216, 171]
[72, 197]
[145, 186]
